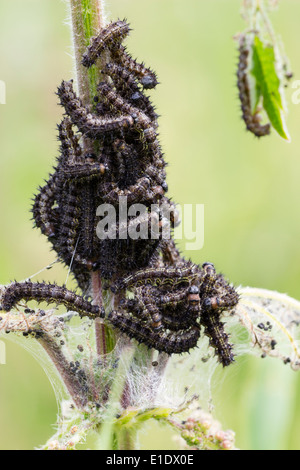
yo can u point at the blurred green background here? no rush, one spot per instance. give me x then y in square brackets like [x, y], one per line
[250, 188]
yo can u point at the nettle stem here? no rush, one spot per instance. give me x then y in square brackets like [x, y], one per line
[72, 384]
[87, 20]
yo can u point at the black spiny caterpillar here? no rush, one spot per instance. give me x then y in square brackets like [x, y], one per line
[252, 121]
[50, 293]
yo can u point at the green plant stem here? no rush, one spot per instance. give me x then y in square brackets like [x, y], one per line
[87, 20]
[105, 338]
[127, 439]
[72, 384]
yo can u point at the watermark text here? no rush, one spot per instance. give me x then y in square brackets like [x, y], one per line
[157, 221]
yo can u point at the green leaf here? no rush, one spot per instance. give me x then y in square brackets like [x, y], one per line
[268, 82]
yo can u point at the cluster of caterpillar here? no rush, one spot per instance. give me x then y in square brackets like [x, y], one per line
[125, 161]
[173, 298]
[172, 302]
